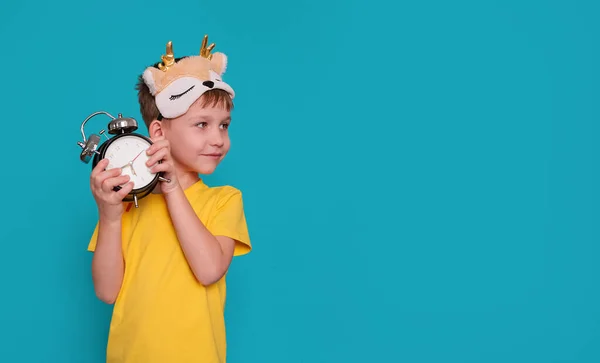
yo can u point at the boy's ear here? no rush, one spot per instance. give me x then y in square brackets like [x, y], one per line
[155, 129]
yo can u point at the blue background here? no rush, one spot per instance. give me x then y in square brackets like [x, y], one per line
[420, 179]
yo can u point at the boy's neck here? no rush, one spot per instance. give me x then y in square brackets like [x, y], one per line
[187, 179]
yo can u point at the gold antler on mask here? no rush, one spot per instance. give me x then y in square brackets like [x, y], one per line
[168, 59]
[204, 51]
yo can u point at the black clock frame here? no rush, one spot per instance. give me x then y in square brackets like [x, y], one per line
[135, 193]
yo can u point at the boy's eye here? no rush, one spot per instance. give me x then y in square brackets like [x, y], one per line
[225, 126]
[201, 124]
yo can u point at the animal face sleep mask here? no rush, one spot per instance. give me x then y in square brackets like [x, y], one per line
[177, 85]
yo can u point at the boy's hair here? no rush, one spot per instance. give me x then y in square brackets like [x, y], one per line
[149, 111]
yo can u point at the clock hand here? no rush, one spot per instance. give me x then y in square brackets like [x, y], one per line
[130, 164]
[132, 169]
[137, 156]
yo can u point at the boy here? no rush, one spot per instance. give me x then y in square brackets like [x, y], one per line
[163, 264]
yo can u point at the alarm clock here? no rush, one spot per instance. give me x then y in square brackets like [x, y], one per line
[125, 150]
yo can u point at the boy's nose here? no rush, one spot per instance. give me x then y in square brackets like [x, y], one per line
[217, 139]
[209, 84]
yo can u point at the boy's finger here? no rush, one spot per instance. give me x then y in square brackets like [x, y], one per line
[111, 173]
[109, 183]
[156, 140]
[159, 155]
[125, 189]
[165, 167]
[99, 168]
[157, 146]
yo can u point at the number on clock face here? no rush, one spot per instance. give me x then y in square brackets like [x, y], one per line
[129, 154]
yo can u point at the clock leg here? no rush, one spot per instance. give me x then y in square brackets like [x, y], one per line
[164, 179]
[135, 200]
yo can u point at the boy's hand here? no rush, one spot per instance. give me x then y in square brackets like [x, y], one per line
[102, 182]
[161, 151]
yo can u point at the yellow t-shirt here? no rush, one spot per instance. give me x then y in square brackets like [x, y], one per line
[162, 313]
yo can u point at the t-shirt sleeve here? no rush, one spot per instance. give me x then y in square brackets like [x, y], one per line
[230, 221]
[93, 240]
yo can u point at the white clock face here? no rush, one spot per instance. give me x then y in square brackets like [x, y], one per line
[129, 154]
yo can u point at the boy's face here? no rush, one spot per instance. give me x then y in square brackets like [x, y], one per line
[199, 139]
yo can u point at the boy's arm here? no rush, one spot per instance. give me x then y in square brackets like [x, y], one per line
[209, 257]
[107, 263]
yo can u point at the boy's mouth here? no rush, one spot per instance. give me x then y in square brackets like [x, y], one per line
[213, 155]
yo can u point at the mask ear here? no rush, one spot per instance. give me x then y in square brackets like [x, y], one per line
[219, 63]
[150, 76]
